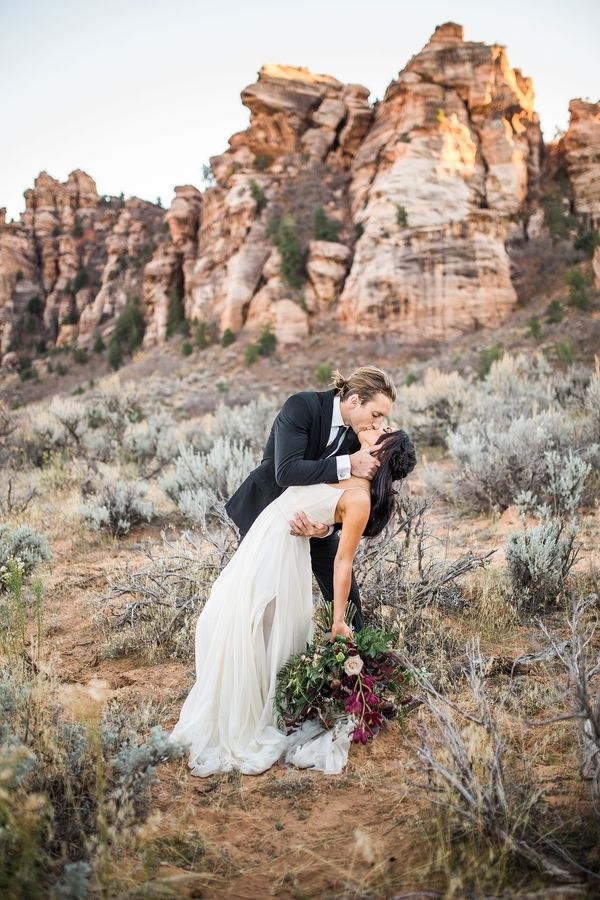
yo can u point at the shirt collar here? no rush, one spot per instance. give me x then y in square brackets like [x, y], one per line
[336, 420]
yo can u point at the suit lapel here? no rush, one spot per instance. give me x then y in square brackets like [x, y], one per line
[326, 399]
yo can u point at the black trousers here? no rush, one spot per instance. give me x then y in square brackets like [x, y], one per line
[322, 554]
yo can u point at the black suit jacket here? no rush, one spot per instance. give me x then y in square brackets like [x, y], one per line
[298, 438]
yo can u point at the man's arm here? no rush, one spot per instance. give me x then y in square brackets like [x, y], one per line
[291, 432]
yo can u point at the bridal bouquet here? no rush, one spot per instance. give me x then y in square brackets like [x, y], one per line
[360, 680]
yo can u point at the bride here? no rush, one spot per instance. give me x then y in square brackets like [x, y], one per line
[259, 613]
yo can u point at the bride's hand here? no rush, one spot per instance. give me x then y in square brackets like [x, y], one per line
[340, 629]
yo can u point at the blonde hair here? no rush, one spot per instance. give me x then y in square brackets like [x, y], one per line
[366, 382]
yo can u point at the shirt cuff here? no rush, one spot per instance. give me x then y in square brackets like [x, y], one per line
[343, 467]
[329, 532]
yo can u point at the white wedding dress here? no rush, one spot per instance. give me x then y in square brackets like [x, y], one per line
[259, 613]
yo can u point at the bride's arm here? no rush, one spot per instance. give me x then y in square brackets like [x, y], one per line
[355, 510]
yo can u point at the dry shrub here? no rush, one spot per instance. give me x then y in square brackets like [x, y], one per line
[73, 787]
[490, 816]
[151, 610]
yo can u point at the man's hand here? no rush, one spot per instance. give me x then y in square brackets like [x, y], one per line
[301, 526]
[363, 464]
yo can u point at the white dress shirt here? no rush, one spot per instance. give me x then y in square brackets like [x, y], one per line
[342, 462]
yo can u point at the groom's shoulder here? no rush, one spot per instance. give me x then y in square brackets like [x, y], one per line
[314, 400]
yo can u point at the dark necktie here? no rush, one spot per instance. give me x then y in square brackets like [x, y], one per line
[336, 443]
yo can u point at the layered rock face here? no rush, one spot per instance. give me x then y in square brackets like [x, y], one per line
[396, 216]
[581, 149]
[303, 134]
[448, 166]
[71, 263]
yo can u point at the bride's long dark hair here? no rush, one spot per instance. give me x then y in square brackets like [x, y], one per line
[397, 458]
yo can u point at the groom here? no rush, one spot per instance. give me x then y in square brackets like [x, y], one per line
[314, 440]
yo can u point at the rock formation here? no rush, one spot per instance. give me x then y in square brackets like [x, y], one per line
[398, 215]
[581, 148]
[436, 185]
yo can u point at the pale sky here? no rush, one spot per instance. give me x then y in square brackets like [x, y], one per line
[140, 93]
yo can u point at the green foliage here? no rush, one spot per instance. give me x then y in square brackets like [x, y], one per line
[77, 229]
[129, 327]
[208, 176]
[261, 162]
[61, 369]
[81, 280]
[175, 312]
[26, 373]
[34, 307]
[40, 346]
[186, 348]
[99, 345]
[80, 356]
[325, 229]
[284, 234]
[115, 354]
[259, 196]
[578, 290]
[72, 318]
[266, 342]
[486, 358]
[401, 216]
[323, 373]
[251, 353]
[222, 387]
[565, 352]
[204, 334]
[411, 378]
[554, 312]
[556, 218]
[359, 230]
[227, 338]
[587, 241]
[535, 328]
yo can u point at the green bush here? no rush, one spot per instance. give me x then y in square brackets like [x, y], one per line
[35, 307]
[251, 353]
[129, 327]
[80, 356]
[175, 313]
[81, 280]
[565, 352]
[99, 345]
[535, 329]
[587, 241]
[578, 290]
[323, 373]
[558, 222]
[359, 230]
[401, 216]
[411, 378]
[486, 358]
[204, 334]
[284, 235]
[554, 312]
[40, 346]
[266, 342]
[261, 162]
[61, 369]
[115, 355]
[186, 348]
[72, 318]
[259, 196]
[325, 229]
[228, 338]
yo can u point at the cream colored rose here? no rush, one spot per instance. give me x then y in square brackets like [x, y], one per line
[353, 665]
